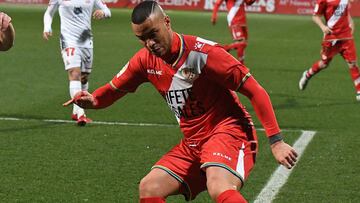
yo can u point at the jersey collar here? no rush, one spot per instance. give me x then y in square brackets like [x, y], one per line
[181, 50]
[176, 50]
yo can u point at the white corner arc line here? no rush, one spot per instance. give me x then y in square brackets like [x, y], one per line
[281, 174]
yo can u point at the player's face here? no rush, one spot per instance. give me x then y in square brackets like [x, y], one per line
[155, 34]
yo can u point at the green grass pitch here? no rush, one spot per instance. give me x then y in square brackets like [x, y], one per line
[60, 162]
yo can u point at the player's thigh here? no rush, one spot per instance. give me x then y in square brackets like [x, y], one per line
[183, 164]
[349, 51]
[158, 183]
[328, 51]
[238, 32]
[87, 55]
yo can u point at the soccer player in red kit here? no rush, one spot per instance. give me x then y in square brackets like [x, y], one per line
[236, 19]
[198, 79]
[338, 39]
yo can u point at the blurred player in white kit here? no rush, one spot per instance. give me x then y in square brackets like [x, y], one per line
[76, 42]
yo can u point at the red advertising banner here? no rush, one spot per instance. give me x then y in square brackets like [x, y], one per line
[296, 7]
[24, 1]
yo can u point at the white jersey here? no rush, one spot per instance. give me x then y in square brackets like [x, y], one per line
[75, 20]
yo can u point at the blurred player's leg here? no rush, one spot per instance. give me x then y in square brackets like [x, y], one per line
[84, 81]
[239, 46]
[315, 68]
[73, 57]
[75, 87]
[239, 34]
[355, 75]
[328, 51]
[349, 54]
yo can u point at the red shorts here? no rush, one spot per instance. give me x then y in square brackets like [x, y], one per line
[345, 47]
[186, 161]
[239, 32]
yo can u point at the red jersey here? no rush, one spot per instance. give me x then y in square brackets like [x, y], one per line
[337, 15]
[197, 88]
[236, 12]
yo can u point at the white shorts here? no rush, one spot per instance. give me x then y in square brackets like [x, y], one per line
[78, 57]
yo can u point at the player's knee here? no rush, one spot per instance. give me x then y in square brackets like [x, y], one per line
[149, 188]
[323, 64]
[217, 185]
[353, 64]
[74, 74]
[213, 187]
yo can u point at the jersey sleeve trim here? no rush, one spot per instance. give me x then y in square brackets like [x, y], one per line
[188, 196]
[237, 174]
[243, 80]
[113, 86]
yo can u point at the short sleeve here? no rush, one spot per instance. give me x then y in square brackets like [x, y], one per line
[224, 69]
[53, 2]
[131, 76]
[319, 8]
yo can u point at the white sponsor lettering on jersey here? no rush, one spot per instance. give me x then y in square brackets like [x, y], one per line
[338, 13]
[233, 11]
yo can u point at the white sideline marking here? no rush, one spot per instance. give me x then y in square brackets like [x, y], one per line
[114, 123]
[281, 174]
[94, 122]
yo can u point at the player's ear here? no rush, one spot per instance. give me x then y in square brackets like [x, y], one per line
[167, 21]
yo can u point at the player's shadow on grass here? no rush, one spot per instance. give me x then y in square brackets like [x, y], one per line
[297, 102]
[28, 120]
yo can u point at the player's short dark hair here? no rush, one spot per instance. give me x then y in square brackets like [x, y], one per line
[143, 10]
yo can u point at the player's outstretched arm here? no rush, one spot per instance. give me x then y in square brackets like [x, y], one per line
[260, 100]
[83, 99]
[7, 32]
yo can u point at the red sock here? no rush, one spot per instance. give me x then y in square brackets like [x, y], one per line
[230, 196]
[355, 75]
[152, 200]
[315, 68]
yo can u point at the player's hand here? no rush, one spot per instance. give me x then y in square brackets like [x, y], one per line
[5, 21]
[284, 154]
[214, 18]
[326, 30]
[83, 99]
[98, 14]
[46, 35]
